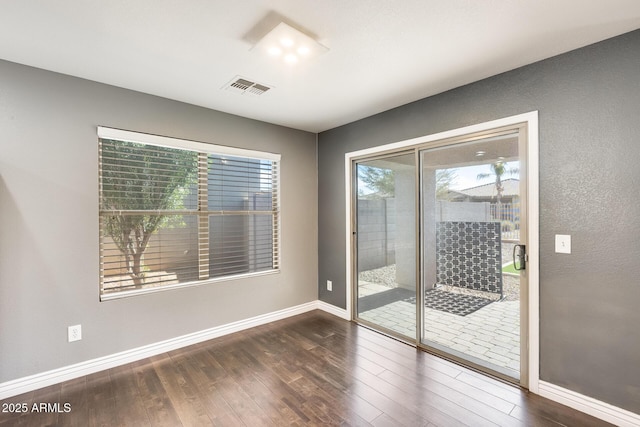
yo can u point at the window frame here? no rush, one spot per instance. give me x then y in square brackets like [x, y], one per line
[202, 149]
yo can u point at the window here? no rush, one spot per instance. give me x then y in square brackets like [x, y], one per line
[178, 213]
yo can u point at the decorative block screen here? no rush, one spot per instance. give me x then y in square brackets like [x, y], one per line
[468, 255]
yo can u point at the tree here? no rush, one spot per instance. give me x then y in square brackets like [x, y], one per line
[138, 177]
[444, 179]
[498, 169]
[382, 181]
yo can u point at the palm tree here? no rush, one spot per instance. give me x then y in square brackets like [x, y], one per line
[498, 169]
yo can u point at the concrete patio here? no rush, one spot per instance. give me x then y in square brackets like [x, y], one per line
[489, 336]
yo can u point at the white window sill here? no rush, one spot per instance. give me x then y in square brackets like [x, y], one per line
[135, 292]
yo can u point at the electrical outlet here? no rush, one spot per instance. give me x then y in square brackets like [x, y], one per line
[329, 285]
[75, 333]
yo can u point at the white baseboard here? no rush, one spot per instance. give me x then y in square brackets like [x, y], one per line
[588, 405]
[332, 309]
[55, 376]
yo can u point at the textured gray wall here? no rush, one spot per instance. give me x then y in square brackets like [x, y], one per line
[49, 222]
[589, 111]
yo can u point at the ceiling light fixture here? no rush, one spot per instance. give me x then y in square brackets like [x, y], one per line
[289, 44]
[290, 58]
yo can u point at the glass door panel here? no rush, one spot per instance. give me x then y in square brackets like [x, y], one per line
[470, 213]
[385, 224]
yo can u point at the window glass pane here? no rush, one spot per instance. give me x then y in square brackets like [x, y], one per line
[168, 257]
[143, 177]
[240, 244]
[170, 216]
[239, 184]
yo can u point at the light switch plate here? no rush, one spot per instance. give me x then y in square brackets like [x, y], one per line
[563, 244]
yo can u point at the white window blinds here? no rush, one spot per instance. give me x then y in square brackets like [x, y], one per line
[176, 213]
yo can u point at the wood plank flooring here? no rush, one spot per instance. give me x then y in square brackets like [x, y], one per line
[312, 369]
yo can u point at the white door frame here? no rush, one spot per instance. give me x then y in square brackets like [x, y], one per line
[531, 119]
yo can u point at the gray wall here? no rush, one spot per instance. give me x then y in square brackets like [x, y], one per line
[376, 233]
[589, 110]
[49, 222]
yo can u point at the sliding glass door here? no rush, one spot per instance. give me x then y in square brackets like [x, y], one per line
[471, 195]
[385, 232]
[439, 241]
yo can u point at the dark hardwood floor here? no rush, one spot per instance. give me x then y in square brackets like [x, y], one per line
[312, 369]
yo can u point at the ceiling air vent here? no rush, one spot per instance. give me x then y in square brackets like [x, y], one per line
[243, 86]
[258, 89]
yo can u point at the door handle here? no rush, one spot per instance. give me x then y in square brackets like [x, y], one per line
[519, 257]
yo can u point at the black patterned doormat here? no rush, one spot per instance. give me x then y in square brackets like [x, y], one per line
[437, 299]
[454, 303]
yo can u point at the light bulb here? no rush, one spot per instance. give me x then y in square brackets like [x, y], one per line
[286, 42]
[290, 58]
[274, 51]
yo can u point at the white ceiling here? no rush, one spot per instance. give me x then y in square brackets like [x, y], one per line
[383, 53]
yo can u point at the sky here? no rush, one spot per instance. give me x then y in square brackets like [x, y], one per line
[467, 177]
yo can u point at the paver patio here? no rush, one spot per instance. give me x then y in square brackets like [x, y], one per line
[489, 336]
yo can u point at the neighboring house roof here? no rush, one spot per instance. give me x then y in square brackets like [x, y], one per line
[377, 195]
[455, 194]
[511, 188]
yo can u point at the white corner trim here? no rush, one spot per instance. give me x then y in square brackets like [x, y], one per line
[55, 376]
[588, 405]
[332, 309]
